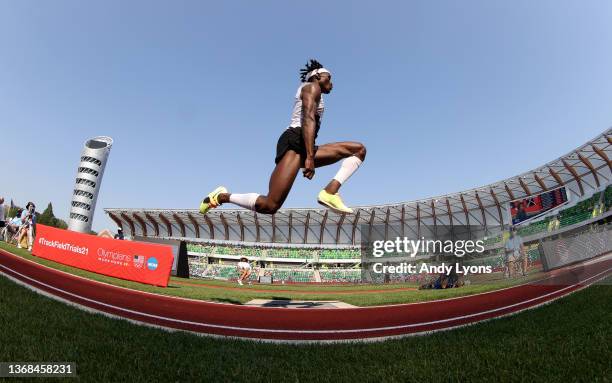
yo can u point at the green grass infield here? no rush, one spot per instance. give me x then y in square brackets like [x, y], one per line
[565, 341]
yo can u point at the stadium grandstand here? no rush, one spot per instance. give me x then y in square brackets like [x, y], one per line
[318, 245]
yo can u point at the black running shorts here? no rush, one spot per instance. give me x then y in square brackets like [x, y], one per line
[291, 139]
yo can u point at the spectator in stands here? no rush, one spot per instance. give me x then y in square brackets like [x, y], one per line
[28, 222]
[2, 213]
[453, 279]
[387, 276]
[433, 283]
[524, 261]
[119, 234]
[244, 268]
[513, 251]
[521, 215]
[556, 222]
[4, 231]
[598, 210]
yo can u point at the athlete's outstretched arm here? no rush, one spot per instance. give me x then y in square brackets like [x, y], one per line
[311, 95]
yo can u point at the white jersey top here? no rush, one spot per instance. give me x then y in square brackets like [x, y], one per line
[296, 115]
[244, 265]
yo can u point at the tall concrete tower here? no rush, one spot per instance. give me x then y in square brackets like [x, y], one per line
[89, 177]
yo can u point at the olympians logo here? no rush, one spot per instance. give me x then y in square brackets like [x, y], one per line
[152, 264]
[139, 261]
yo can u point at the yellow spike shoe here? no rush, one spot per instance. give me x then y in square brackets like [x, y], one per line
[210, 202]
[333, 202]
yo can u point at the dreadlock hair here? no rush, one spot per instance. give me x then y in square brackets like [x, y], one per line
[312, 65]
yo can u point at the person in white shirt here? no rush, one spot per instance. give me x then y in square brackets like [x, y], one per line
[244, 268]
[14, 223]
[514, 252]
[28, 222]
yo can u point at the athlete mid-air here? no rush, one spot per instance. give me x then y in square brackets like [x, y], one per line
[296, 149]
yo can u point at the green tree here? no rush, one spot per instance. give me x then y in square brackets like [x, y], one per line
[46, 218]
[13, 211]
[61, 224]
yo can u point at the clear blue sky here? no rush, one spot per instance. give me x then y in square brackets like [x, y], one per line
[195, 94]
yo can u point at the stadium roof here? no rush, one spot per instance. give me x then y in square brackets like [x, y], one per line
[582, 171]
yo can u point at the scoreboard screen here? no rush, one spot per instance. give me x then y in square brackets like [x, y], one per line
[527, 208]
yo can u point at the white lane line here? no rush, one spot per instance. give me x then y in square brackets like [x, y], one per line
[336, 331]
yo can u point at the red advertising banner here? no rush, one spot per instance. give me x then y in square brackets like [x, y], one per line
[134, 261]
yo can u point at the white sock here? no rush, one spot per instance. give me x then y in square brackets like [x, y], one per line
[348, 167]
[246, 201]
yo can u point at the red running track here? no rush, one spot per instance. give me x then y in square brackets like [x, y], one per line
[281, 324]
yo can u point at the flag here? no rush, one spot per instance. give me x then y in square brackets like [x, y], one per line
[139, 261]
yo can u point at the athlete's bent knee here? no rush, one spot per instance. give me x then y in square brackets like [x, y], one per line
[270, 207]
[361, 151]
